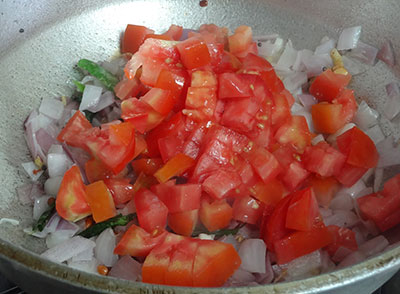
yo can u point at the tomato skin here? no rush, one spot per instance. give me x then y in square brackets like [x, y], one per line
[134, 36]
[183, 223]
[220, 183]
[175, 82]
[342, 237]
[74, 131]
[327, 117]
[100, 201]
[215, 215]
[179, 198]
[359, 149]
[194, 53]
[349, 104]
[328, 85]
[137, 242]
[294, 176]
[247, 209]
[151, 212]
[120, 189]
[71, 201]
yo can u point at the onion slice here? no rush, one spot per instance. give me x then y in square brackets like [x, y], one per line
[349, 37]
[386, 53]
[252, 253]
[126, 268]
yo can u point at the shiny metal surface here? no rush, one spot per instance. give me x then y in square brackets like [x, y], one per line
[39, 60]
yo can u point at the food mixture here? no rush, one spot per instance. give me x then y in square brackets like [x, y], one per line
[204, 158]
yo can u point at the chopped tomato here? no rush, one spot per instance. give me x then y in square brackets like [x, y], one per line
[328, 85]
[137, 242]
[175, 32]
[160, 100]
[147, 165]
[220, 183]
[74, 131]
[175, 82]
[174, 167]
[157, 36]
[96, 170]
[127, 88]
[170, 147]
[179, 198]
[200, 103]
[296, 132]
[216, 214]
[230, 85]
[71, 201]
[280, 110]
[121, 190]
[269, 193]
[151, 211]
[349, 104]
[350, 174]
[391, 187]
[342, 237]
[100, 201]
[144, 181]
[247, 209]
[324, 188]
[358, 148]
[327, 117]
[240, 40]
[134, 36]
[194, 53]
[264, 163]
[203, 78]
[183, 223]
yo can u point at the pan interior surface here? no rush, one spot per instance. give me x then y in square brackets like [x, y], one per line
[41, 44]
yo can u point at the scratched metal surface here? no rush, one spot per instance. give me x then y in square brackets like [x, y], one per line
[41, 41]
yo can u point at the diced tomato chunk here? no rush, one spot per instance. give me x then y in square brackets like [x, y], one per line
[127, 88]
[350, 174]
[74, 131]
[240, 40]
[215, 215]
[175, 32]
[269, 193]
[342, 237]
[174, 167]
[295, 131]
[247, 209]
[194, 53]
[264, 163]
[324, 189]
[100, 201]
[220, 183]
[160, 100]
[134, 36]
[147, 165]
[183, 223]
[327, 117]
[328, 85]
[230, 85]
[179, 198]
[120, 189]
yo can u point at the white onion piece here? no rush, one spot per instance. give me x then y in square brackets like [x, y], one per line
[86, 266]
[374, 246]
[325, 47]
[296, 107]
[386, 53]
[271, 49]
[332, 138]
[52, 108]
[268, 276]
[52, 185]
[288, 56]
[327, 265]
[316, 64]
[295, 81]
[365, 53]
[392, 105]
[263, 38]
[230, 239]
[91, 80]
[317, 139]
[359, 234]
[104, 250]
[86, 255]
[301, 56]
[106, 99]
[341, 254]
[392, 89]
[39, 206]
[303, 266]
[56, 149]
[114, 114]
[252, 253]
[115, 66]
[241, 277]
[342, 201]
[29, 168]
[58, 237]
[126, 268]
[364, 192]
[44, 139]
[376, 134]
[9, 221]
[354, 66]
[365, 117]
[353, 190]
[342, 218]
[349, 37]
[392, 246]
[389, 154]
[378, 179]
[28, 192]
[70, 226]
[307, 100]
[68, 249]
[248, 232]
[58, 164]
[91, 97]
[353, 258]
[325, 212]
[368, 175]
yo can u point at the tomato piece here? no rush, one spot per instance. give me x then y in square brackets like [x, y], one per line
[296, 132]
[183, 223]
[392, 187]
[201, 99]
[175, 32]
[264, 163]
[230, 85]
[323, 159]
[349, 104]
[151, 211]
[342, 237]
[180, 268]
[174, 167]
[350, 174]
[220, 183]
[303, 211]
[100, 201]
[216, 214]
[301, 243]
[127, 88]
[194, 53]
[74, 131]
[96, 170]
[176, 83]
[228, 63]
[203, 78]
[214, 263]
[358, 148]
[140, 145]
[324, 189]
[144, 181]
[272, 81]
[159, 37]
[294, 175]
[247, 209]
[327, 118]
[240, 40]
[121, 190]
[157, 261]
[134, 36]
[71, 201]
[160, 100]
[280, 110]
[194, 141]
[147, 165]
[170, 147]
[137, 242]
[269, 193]
[328, 85]
[179, 198]
[239, 114]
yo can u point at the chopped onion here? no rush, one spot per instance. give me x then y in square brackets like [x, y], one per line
[28, 192]
[86, 266]
[342, 218]
[325, 212]
[269, 49]
[68, 249]
[115, 66]
[316, 64]
[378, 179]
[359, 234]
[296, 107]
[373, 246]
[91, 97]
[241, 277]
[332, 138]
[327, 265]
[252, 253]
[9, 221]
[106, 99]
[249, 232]
[349, 37]
[58, 237]
[39, 206]
[365, 117]
[307, 100]
[32, 170]
[263, 38]
[295, 81]
[52, 108]
[354, 190]
[368, 175]
[52, 185]
[389, 154]
[126, 268]
[303, 266]
[104, 250]
[376, 134]
[56, 149]
[288, 57]
[392, 105]
[44, 139]
[58, 164]
[353, 258]
[91, 80]
[341, 254]
[354, 66]
[268, 276]
[230, 239]
[86, 255]
[342, 201]
[386, 53]
[325, 47]
[317, 139]
[392, 246]
[301, 56]
[365, 53]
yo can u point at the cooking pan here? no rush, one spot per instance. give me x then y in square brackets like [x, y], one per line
[41, 41]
